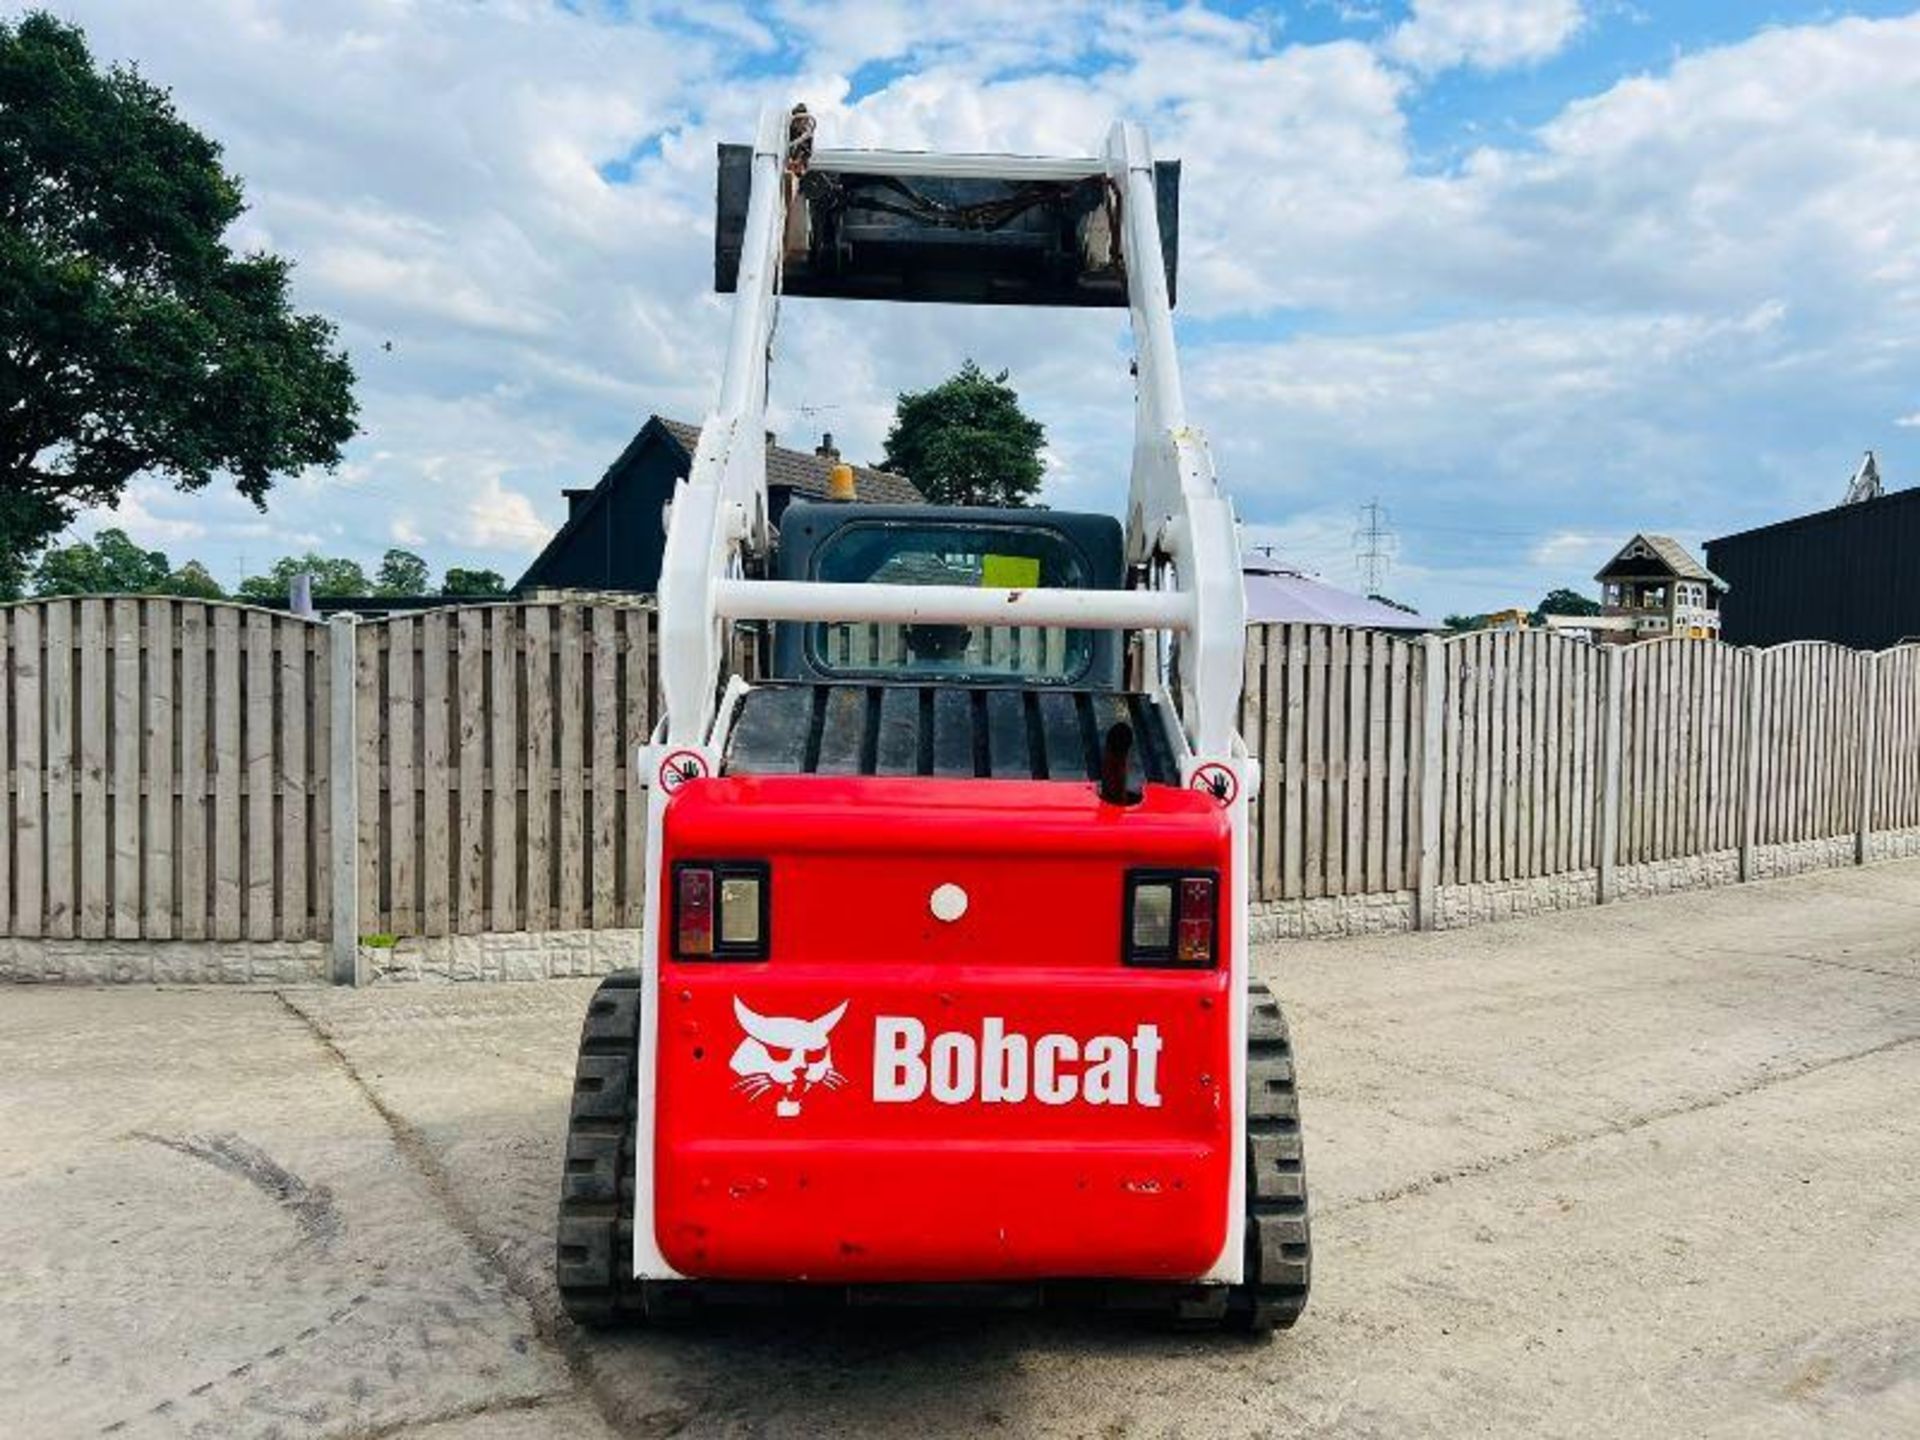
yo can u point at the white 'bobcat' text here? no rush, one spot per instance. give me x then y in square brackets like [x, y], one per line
[998, 1068]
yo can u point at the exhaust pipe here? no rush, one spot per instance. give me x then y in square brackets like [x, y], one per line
[1114, 755]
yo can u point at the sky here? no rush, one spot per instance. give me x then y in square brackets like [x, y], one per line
[1533, 274]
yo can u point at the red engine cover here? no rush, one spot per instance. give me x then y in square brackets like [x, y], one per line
[892, 1096]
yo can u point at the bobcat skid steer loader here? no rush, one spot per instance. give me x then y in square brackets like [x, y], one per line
[943, 992]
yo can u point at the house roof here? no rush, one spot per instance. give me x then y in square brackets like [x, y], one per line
[806, 473]
[1670, 553]
[1277, 594]
[800, 471]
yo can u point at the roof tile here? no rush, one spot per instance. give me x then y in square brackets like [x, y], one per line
[806, 473]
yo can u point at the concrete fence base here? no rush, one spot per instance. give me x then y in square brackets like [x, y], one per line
[164, 962]
[507, 955]
[562, 954]
[511, 955]
[1457, 906]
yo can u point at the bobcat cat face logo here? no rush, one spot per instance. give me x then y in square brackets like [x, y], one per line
[785, 1056]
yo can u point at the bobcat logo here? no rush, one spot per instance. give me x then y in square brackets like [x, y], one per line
[785, 1055]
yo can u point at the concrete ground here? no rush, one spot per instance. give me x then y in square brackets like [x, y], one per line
[1653, 1169]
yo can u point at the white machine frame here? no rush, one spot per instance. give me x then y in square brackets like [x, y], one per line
[1180, 530]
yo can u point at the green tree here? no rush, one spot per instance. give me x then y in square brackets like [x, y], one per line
[401, 574]
[132, 338]
[114, 565]
[332, 579]
[111, 565]
[1461, 624]
[967, 441]
[1564, 602]
[25, 523]
[473, 582]
[193, 581]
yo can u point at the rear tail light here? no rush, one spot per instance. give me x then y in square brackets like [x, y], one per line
[1194, 929]
[720, 910]
[1171, 918]
[693, 911]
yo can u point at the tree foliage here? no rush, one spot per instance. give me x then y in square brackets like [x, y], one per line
[113, 565]
[473, 582]
[132, 338]
[967, 441]
[195, 582]
[1564, 602]
[332, 579]
[401, 575]
[25, 523]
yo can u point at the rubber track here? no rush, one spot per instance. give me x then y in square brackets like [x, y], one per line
[594, 1262]
[1279, 1257]
[594, 1259]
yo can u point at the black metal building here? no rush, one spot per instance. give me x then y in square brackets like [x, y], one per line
[1850, 575]
[614, 537]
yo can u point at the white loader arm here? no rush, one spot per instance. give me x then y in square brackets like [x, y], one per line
[720, 510]
[1177, 519]
[1175, 511]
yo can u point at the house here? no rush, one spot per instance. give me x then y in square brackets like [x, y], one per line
[1654, 589]
[1278, 594]
[615, 533]
[1850, 575]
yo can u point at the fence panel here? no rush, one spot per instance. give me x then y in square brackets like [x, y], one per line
[1810, 698]
[1896, 740]
[1519, 756]
[499, 741]
[158, 771]
[1333, 716]
[1683, 754]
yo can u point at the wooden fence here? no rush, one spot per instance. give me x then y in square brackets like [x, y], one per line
[174, 769]
[493, 747]
[1334, 716]
[163, 759]
[1406, 765]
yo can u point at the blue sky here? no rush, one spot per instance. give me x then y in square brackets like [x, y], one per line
[1534, 273]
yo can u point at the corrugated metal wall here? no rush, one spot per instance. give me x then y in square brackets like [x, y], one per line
[1850, 575]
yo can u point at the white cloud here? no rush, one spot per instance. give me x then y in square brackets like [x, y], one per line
[151, 513]
[1486, 34]
[1566, 548]
[501, 519]
[1668, 307]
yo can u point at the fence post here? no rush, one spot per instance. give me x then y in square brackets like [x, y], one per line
[1433, 684]
[1868, 741]
[1750, 776]
[1611, 664]
[344, 800]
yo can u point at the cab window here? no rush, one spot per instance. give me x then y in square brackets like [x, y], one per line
[990, 557]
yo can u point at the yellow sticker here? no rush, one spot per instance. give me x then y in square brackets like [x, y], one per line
[1009, 572]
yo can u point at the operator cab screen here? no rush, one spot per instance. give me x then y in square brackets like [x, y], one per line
[990, 557]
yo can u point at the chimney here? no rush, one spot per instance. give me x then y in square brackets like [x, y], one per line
[826, 449]
[772, 439]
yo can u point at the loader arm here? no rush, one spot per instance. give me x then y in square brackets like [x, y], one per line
[1181, 530]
